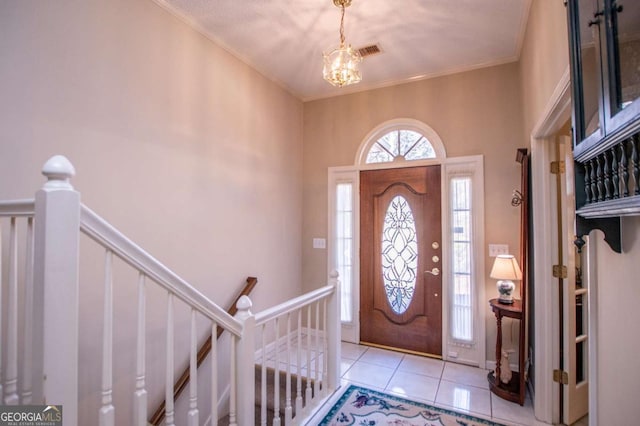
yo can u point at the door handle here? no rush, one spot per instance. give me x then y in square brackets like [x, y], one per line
[434, 271]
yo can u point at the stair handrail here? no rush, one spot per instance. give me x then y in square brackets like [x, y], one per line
[109, 237]
[293, 304]
[21, 207]
[203, 352]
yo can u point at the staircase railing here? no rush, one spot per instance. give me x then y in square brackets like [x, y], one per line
[42, 308]
[203, 352]
[300, 352]
[13, 216]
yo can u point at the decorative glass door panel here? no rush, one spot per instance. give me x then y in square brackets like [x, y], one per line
[399, 254]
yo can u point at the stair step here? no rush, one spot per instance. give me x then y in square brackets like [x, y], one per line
[271, 391]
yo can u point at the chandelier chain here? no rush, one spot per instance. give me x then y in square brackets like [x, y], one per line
[342, 26]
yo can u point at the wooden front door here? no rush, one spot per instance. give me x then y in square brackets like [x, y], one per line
[401, 259]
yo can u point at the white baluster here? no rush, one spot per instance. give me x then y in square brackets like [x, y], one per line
[276, 377]
[263, 378]
[214, 373]
[140, 394]
[192, 419]
[233, 386]
[27, 359]
[299, 360]
[288, 410]
[244, 369]
[308, 391]
[333, 334]
[324, 347]
[107, 411]
[168, 386]
[316, 383]
[55, 301]
[11, 385]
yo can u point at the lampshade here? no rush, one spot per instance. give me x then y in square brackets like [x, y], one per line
[506, 267]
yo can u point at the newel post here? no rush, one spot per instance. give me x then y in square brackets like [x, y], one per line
[245, 361]
[56, 252]
[334, 329]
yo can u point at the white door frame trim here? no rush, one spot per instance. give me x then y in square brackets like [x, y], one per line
[555, 114]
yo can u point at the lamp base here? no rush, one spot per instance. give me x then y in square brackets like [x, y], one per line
[505, 289]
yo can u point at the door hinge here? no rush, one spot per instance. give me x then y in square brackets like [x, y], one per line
[560, 376]
[559, 271]
[557, 167]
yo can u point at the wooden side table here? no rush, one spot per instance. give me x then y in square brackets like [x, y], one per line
[514, 390]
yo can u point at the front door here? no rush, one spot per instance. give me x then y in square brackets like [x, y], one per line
[401, 259]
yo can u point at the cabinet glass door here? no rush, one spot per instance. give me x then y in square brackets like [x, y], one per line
[588, 65]
[624, 36]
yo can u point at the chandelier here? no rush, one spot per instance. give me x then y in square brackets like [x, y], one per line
[341, 64]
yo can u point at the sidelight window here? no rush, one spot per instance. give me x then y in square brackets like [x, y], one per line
[461, 244]
[344, 247]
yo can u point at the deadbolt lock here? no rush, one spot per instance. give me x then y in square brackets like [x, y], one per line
[435, 259]
[435, 245]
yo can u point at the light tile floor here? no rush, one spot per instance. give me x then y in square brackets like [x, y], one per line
[449, 385]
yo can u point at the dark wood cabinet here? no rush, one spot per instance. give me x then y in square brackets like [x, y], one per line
[605, 53]
[604, 45]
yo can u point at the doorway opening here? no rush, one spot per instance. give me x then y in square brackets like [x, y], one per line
[572, 296]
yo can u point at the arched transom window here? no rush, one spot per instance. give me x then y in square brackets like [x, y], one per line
[400, 145]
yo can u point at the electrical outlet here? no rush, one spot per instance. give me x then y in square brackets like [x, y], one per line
[496, 249]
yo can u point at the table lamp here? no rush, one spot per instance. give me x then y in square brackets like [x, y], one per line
[505, 270]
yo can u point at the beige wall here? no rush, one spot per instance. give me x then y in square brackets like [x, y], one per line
[476, 112]
[544, 58]
[187, 150]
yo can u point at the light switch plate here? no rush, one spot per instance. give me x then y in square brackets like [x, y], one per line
[496, 249]
[319, 243]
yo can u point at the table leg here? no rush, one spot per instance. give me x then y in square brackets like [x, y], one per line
[498, 347]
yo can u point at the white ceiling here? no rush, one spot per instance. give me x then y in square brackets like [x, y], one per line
[284, 39]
